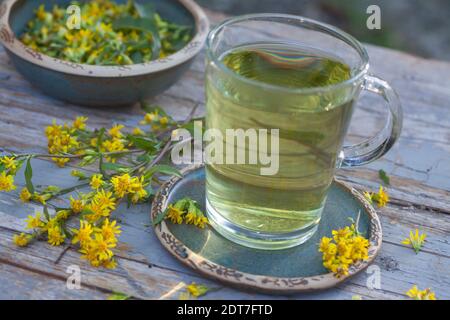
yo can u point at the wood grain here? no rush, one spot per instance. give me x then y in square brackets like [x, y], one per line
[419, 166]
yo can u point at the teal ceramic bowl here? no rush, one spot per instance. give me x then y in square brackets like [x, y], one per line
[100, 85]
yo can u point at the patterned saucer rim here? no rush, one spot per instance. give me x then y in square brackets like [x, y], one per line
[254, 282]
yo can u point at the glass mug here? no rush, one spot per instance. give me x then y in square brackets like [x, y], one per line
[295, 81]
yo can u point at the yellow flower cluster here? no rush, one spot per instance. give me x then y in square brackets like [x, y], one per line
[8, 169]
[101, 205]
[415, 240]
[417, 294]
[6, 182]
[55, 235]
[53, 229]
[344, 249]
[61, 140]
[156, 120]
[125, 185]
[197, 290]
[96, 242]
[381, 198]
[129, 180]
[26, 196]
[21, 240]
[186, 209]
[115, 142]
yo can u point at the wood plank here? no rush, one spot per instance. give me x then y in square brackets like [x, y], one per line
[19, 284]
[142, 246]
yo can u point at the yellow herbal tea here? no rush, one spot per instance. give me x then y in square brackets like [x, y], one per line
[311, 127]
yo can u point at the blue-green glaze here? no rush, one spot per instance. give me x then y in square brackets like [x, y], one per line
[301, 261]
[93, 90]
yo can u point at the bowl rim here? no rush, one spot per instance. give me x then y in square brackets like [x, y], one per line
[9, 40]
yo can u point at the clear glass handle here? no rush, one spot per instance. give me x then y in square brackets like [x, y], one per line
[379, 145]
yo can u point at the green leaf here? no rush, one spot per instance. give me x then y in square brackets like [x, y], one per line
[146, 144]
[87, 161]
[129, 201]
[150, 190]
[141, 24]
[144, 158]
[144, 10]
[108, 166]
[29, 176]
[164, 169]
[160, 217]
[384, 177]
[118, 296]
[46, 214]
[137, 57]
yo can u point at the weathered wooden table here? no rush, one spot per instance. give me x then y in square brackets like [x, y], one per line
[419, 167]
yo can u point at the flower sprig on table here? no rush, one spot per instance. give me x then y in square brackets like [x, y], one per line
[184, 210]
[381, 198]
[346, 247]
[127, 165]
[416, 294]
[415, 240]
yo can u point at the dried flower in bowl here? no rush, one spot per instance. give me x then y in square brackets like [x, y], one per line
[108, 34]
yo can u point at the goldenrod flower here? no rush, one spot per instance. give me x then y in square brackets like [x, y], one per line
[417, 294]
[10, 163]
[21, 240]
[343, 250]
[41, 13]
[109, 264]
[25, 195]
[201, 222]
[83, 234]
[197, 290]
[6, 182]
[55, 237]
[342, 234]
[77, 205]
[381, 198]
[415, 240]
[41, 198]
[63, 215]
[102, 247]
[164, 121]
[121, 184]
[80, 122]
[175, 215]
[109, 230]
[52, 223]
[114, 145]
[137, 189]
[34, 222]
[97, 211]
[191, 218]
[149, 118]
[115, 131]
[97, 181]
[105, 200]
[60, 142]
[138, 132]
